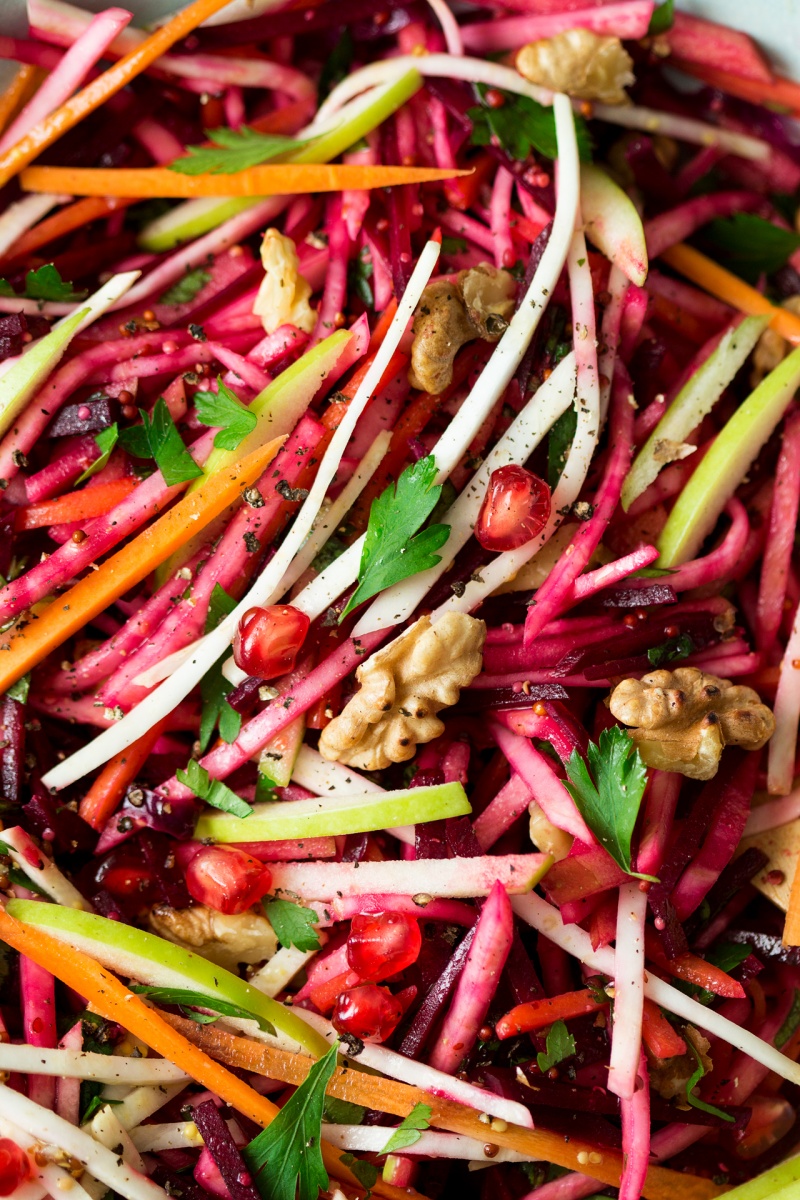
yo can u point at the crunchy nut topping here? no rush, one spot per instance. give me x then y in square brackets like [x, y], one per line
[225, 940]
[284, 294]
[682, 719]
[665, 450]
[580, 63]
[403, 686]
[771, 349]
[478, 305]
[669, 1076]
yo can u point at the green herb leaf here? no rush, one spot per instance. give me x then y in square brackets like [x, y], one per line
[185, 996]
[187, 288]
[106, 440]
[214, 687]
[342, 1112]
[454, 245]
[609, 797]
[749, 245]
[674, 648]
[293, 924]
[157, 437]
[333, 548]
[359, 274]
[22, 879]
[791, 1023]
[662, 19]
[337, 65]
[214, 792]
[559, 441]
[233, 150]
[391, 551]
[521, 125]
[45, 283]
[220, 605]
[225, 409]
[19, 690]
[365, 1172]
[285, 1159]
[410, 1129]
[560, 1045]
[692, 1083]
[95, 1103]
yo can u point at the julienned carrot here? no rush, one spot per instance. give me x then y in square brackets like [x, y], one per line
[109, 998]
[32, 640]
[335, 411]
[659, 1036]
[725, 286]
[791, 928]
[104, 86]
[17, 93]
[77, 506]
[273, 179]
[382, 325]
[387, 1095]
[692, 969]
[537, 1014]
[781, 93]
[103, 797]
[65, 220]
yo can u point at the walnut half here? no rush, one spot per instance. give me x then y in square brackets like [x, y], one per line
[403, 686]
[580, 63]
[682, 719]
[225, 940]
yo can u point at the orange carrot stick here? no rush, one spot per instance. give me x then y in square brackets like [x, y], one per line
[725, 286]
[382, 325]
[781, 93]
[335, 411]
[101, 801]
[17, 93]
[32, 640]
[65, 220]
[112, 1000]
[387, 1095]
[660, 1038]
[273, 179]
[108, 84]
[77, 506]
[791, 928]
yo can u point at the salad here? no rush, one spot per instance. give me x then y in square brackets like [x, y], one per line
[399, 634]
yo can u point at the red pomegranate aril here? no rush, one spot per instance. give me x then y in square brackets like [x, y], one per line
[15, 1167]
[269, 640]
[367, 1012]
[126, 880]
[514, 510]
[227, 879]
[382, 944]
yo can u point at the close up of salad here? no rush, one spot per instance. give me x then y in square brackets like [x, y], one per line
[399, 603]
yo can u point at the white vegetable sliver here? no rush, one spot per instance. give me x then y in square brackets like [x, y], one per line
[267, 587]
[372, 1138]
[178, 1136]
[618, 284]
[22, 214]
[102, 1162]
[418, 1074]
[145, 1101]
[542, 916]
[83, 1064]
[55, 1179]
[280, 970]
[515, 446]
[450, 26]
[106, 1129]
[626, 1039]
[48, 877]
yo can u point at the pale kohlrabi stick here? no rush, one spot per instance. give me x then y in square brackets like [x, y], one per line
[626, 1039]
[170, 693]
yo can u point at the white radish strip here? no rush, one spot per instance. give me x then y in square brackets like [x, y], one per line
[55, 1179]
[42, 870]
[162, 670]
[542, 916]
[338, 576]
[520, 440]
[773, 813]
[476, 70]
[145, 1101]
[180, 1136]
[267, 587]
[418, 1074]
[109, 296]
[617, 287]
[106, 1129]
[280, 970]
[325, 778]
[83, 1064]
[18, 219]
[102, 1162]
[626, 1040]
[450, 27]
[503, 568]
[372, 1138]
[782, 747]
[452, 878]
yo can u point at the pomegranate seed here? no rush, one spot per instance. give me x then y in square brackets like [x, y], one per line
[514, 510]
[382, 944]
[124, 880]
[227, 879]
[367, 1012]
[15, 1167]
[268, 640]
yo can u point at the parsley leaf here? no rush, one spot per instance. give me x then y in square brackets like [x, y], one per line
[19, 690]
[454, 245]
[293, 924]
[342, 1112]
[285, 1158]
[559, 441]
[521, 125]
[359, 274]
[662, 19]
[790, 1024]
[560, 1045]
[233, 150]
[185, 996]
[393, 549]
[410, 1129]
[187, 288]
[157, 437]
[220, 605]
[213, 791]
[608, 798]
[45, 283]
[214, 687]
[225, 409]
[106, 440]
[674, 648]
[96, 1102]
[692, 1083]
[750, 246]
[365, 1172]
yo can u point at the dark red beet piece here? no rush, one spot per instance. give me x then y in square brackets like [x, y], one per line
[98, 412]
[16, 330]
[735, 876]
[12, 755]
[56, 823]
[630, 597]
[222, 1148]
[429, 1011]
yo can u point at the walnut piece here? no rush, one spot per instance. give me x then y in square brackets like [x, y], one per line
[225, 940]
[665, 450]
[478, 304]
[682, 719]
[284, 294]
[580, 63]
[669, 1076]
[403, 686]
[771, 349]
